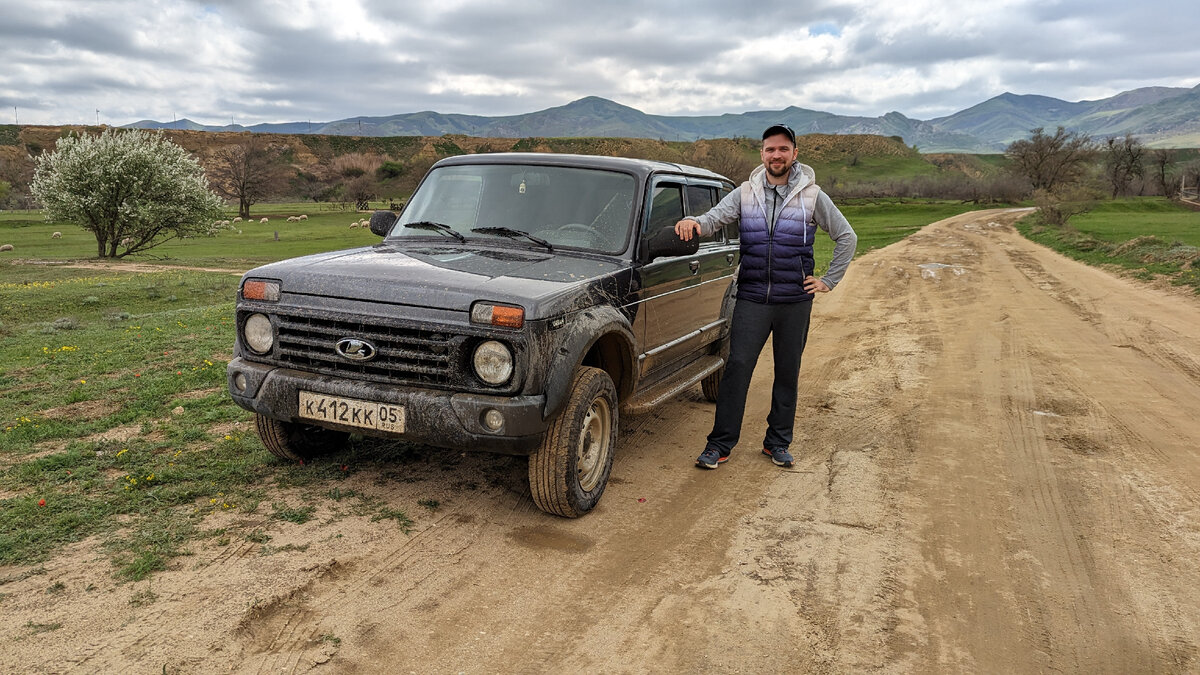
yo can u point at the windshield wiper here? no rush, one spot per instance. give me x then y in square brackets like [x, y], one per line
[511, 234]
[437, 227]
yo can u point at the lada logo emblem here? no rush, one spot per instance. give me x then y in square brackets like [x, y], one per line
[355, 349]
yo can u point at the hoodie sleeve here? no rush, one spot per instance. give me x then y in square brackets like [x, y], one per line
[726, 211]
[829, 218]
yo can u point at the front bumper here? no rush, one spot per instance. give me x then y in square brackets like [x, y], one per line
[433, 417]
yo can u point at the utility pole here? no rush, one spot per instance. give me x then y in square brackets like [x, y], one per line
[97, 117]
[15, 116]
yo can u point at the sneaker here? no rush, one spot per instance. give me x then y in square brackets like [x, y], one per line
[780, 456]
[710, 458]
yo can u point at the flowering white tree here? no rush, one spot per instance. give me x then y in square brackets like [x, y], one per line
[133, 189]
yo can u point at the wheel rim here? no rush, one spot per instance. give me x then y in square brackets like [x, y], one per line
[591, 453]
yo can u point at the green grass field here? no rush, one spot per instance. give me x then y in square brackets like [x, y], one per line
[1148, 236]
[246, 244]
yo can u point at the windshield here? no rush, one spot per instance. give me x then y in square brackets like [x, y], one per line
[568, 207]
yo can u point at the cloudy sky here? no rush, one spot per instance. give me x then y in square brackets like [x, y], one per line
[251, 61]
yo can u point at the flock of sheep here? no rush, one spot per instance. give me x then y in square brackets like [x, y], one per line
[364, 223]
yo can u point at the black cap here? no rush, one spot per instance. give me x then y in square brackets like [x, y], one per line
[776, 129]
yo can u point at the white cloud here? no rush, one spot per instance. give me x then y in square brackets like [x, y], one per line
[319, 60]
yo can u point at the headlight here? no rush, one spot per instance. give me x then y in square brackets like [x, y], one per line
[493, 362]
[260, 337]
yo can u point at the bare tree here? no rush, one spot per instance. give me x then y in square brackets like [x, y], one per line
[1050, 162]
[249, 172]
[361, 191]
[726, 157]
[1160, 167]
[1123, 162]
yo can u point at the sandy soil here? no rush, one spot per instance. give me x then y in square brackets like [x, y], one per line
[997, 472]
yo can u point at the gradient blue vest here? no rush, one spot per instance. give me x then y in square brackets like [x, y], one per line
[774, 264]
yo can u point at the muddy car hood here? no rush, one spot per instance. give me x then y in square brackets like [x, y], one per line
[442, 277]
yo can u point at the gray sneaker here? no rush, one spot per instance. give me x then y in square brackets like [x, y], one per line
[710, 458]
[780, 456]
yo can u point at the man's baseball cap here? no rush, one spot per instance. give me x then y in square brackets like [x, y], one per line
[776, 129]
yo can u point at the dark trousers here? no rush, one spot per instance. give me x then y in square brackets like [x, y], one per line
[752, 323]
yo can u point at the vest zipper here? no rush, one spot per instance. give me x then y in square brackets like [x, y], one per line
[771, 237]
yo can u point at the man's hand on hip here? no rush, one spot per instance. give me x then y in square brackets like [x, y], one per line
[811, 283]
[686, 227]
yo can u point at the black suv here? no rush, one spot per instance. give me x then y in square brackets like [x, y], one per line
[519, 304]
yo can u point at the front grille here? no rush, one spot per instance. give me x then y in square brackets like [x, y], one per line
[404, 354]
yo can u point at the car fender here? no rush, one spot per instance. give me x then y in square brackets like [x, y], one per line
[579, 334]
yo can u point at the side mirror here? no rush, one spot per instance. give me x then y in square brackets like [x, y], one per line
[665, 242]
[382, 222]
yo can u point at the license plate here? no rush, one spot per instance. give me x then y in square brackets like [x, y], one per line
[352, 412]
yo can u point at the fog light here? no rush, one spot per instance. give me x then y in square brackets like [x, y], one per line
[239, 382]
[493, 419]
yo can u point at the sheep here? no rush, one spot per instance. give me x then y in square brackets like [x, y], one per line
[264, 220]
[354, 224]
[126, 242]
[56, 235]
[6, 247]
[303, 216]
[292, 219]
[225, 223]
[238, 219]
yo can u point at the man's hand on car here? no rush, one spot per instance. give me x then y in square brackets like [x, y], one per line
[686, 227]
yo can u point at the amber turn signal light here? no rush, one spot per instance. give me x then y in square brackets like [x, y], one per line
[261, 290]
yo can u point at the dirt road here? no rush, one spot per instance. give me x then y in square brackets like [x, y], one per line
[997, 471]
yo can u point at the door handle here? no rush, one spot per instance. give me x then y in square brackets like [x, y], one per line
[729, 258]
[694, 266]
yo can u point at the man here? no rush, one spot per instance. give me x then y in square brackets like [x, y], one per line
[778, 212]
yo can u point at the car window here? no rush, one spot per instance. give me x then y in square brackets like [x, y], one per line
[701, 198]
[731, 230]
[666, 207]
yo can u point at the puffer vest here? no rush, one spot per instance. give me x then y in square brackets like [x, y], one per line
[775, 262]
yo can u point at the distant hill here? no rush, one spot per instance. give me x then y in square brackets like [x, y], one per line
[1159, 116]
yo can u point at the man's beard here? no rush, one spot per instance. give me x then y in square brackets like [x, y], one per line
[779, 173]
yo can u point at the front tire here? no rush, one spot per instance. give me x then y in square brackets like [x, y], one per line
[569, 471]
[297, 442]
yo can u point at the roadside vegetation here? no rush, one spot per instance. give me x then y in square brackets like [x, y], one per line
[1148, 237]
[116, 424]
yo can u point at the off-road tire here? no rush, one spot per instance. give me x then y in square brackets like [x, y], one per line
[711, 384]
[297, 442]
[569, 471]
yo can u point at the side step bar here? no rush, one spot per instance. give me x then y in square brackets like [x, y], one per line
[673, 385]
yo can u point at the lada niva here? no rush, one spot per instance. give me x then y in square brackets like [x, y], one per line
[520, 303]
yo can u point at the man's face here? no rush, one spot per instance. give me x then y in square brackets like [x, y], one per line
[778, 153]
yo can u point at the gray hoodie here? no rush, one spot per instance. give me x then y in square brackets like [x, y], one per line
[826, 216]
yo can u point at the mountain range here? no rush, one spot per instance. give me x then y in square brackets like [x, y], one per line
[1158, 116]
